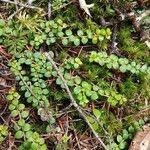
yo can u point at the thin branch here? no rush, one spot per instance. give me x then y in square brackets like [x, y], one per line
[100, 124]
[138, 20]
[27, 85]
[16, 5]
[114, 48]
[143, 15]
[49, 9]
[20, 4]
[18, 10]
[73, 100]
[77, 140]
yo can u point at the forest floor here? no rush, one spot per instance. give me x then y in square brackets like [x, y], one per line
[74, 74]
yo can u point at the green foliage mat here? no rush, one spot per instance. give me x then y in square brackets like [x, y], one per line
[111, 89]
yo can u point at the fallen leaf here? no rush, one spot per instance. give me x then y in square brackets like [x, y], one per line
[141, 140]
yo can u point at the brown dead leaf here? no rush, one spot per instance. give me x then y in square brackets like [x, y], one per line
[141, 140]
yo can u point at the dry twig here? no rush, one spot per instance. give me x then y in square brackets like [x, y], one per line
[20, 4]
[18, 10]
[73, 100]
[49, 9]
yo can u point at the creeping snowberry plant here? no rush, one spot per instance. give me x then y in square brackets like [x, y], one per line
[80, 50]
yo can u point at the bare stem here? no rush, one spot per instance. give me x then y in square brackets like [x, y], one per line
[73, 100]
[20, 4]
[18, 10]
[49, 9]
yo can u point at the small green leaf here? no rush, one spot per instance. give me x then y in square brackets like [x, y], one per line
[47, 74]
[131, 129]
[114, 146]
[77, 80]
[123, 68]
[95, 87]
[85, 84]
[9, 97]
[49, 129]
[14, 113]
[89, 34]
[27, 94]
[97, 113]
[71, 38]
[80, 33]
[60, 34]
[19, 135]
[1, 32]
[59, 21]
[98, 31]
[77, 42]
[141, 122]
[22, 60]
[34, 146]
[76, 65]
[4, 131]
[21, 122]
[65, 41]
[52, 40]
[125, 134]
[88, 93]
[2, 23]
[45, 91]
[42, 25]
[115, 65]
[48, 42]
[136, 124]
[94, 40]
[51, 34]
[122, 145]
[24, 114]
[108, 31]
[101, 92]
[68, 32]
[77, 90]
[59, 81]
[26, 127]
[133, 64]
[11, 107]
[84, 40]
[103, 32]
[94, 95]
[119, 138]
[15, 102]
[101, 38]
[29, 134]
[28, 62]
[67, 76]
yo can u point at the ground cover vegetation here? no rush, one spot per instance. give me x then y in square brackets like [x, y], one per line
[72, 75]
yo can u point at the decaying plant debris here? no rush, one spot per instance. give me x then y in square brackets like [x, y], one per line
[141, 140]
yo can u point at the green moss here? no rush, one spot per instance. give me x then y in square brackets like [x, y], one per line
[144, 87]
[134, 49]
[128, 88]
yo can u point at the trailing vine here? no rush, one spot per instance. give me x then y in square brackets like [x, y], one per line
[50, 32]
[36, 90]
[81, 74]
[22, 128]
[122, 64]
[3, 133]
